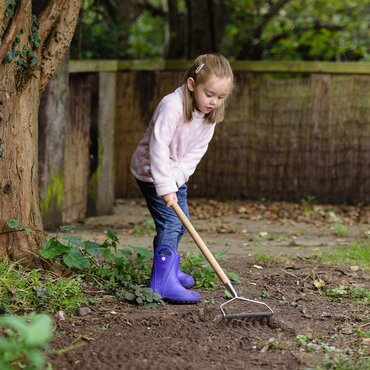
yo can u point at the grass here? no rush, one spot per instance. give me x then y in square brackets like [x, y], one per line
[264, 258]
[360, 295]
[23, 339]
[356, 254]
[23, 290]
[339, 362]
[145, 228]
[329, 356]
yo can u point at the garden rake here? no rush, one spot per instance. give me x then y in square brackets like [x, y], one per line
[226, 308]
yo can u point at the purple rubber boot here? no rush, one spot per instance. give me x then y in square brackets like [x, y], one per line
[187, 281]
[165, 280]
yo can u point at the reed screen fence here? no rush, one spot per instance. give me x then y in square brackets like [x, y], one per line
[286, 135]
[283, 138]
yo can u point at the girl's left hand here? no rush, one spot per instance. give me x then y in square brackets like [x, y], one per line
[170, 199]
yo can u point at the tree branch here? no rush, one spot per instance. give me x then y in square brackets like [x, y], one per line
[274, 9]
[13, 28]
[48, 17]
[59, 39]
[317, 26]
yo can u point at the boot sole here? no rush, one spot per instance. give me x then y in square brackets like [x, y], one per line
[177, 301]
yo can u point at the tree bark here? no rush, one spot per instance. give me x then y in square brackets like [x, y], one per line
[176, 48]
[205, 26]
[20, 89]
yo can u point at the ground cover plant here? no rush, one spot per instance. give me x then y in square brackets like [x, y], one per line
[123, 273]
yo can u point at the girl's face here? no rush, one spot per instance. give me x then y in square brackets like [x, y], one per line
[210, 94]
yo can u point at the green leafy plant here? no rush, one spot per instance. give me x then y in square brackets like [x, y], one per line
[122, 271]
[307, 203]
[363, 333]
[142, 296]
[10, 7]
[75, 253]
[34, 37]
[205, 277]
[26, 57]
[17, 225]
[340, 362]
[195, 264]
[23, 341]
[311, 344]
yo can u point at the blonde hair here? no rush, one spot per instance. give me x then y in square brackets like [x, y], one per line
[203, 68]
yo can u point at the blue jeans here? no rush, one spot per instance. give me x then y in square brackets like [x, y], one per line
[168, 226]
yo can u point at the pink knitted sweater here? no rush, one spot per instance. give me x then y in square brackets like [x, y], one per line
[171, 149]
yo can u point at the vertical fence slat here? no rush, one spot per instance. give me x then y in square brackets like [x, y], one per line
[76, 150]
[101, 178]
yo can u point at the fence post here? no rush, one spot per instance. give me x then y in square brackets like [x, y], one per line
[101, 179]
[53, 118]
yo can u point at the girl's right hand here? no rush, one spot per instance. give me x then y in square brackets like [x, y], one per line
[170, 199]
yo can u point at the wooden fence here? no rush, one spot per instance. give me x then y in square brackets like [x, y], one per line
[292, 130]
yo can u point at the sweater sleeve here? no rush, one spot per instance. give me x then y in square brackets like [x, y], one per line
[189, 162]
[165, 121]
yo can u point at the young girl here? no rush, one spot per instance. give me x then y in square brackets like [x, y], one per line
[175, 141]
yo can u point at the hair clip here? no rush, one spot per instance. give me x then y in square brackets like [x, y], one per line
[199, 68]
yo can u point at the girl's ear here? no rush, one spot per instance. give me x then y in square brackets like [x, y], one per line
[190, 83]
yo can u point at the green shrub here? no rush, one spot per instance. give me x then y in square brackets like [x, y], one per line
[22, 341]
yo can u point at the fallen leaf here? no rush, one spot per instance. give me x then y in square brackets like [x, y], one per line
[319, 283]
[258, 267]
[242, 210]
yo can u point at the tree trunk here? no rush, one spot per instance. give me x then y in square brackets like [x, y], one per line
[176, 48]
[206, 24]
[18, 167]
[21, 84]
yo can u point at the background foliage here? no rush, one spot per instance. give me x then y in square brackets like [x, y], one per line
[241, 29]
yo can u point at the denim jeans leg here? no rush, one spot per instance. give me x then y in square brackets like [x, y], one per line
[168, 226]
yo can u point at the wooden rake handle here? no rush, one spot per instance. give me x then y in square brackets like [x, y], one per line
[199, 242]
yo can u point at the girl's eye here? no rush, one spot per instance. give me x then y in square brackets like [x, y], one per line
[209, 95]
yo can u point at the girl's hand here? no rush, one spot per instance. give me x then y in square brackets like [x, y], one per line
[170, 198]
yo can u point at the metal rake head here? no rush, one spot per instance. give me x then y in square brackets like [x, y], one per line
[263, 315]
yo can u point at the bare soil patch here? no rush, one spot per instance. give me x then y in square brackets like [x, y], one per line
[117, 335]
